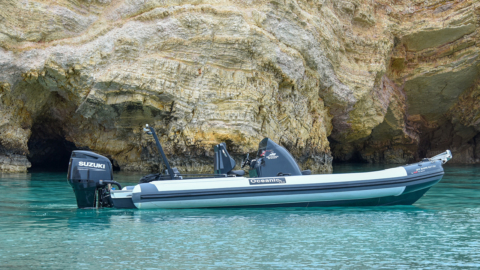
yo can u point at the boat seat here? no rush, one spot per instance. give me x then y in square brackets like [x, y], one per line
[223, 162]
[306, 172]
[238, 172]
[150, 177]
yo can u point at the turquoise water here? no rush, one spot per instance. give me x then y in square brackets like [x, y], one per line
[40, 227]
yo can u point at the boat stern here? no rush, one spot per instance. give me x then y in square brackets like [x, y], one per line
[122, 198]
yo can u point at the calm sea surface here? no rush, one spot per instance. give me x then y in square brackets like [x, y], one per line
[40, 227]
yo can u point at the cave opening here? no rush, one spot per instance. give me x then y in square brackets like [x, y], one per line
[344, 153]
[48, 148]
[354, 157]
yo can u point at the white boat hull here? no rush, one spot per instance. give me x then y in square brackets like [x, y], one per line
[401, 185]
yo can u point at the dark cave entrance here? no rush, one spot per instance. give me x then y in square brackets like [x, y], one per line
[343, 154]
[48, 148]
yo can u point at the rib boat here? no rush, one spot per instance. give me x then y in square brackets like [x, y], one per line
[274, 180]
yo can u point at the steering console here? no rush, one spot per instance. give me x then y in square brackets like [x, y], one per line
[246, 161]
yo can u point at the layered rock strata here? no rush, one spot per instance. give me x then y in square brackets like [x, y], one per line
[384, 81]
[433, 70]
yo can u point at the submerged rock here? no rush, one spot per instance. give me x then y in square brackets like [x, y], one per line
[374, 81]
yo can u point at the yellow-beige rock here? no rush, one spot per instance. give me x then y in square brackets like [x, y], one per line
[384, 81]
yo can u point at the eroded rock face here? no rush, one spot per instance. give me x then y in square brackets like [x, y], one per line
[378, 79]
[433, 67]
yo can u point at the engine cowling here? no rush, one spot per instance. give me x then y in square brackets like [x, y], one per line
[273, 160]
[89, 174]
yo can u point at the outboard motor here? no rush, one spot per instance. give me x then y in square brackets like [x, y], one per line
[273, 160]
[90, 176]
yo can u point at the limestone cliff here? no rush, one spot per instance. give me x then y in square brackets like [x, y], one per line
[381, 81]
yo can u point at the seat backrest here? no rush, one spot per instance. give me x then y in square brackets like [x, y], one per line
[223, 162]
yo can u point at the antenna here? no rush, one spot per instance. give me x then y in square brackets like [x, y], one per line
[150, 131]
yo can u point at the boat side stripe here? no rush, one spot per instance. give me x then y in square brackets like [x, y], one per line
[291, 189]
[266, 200]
